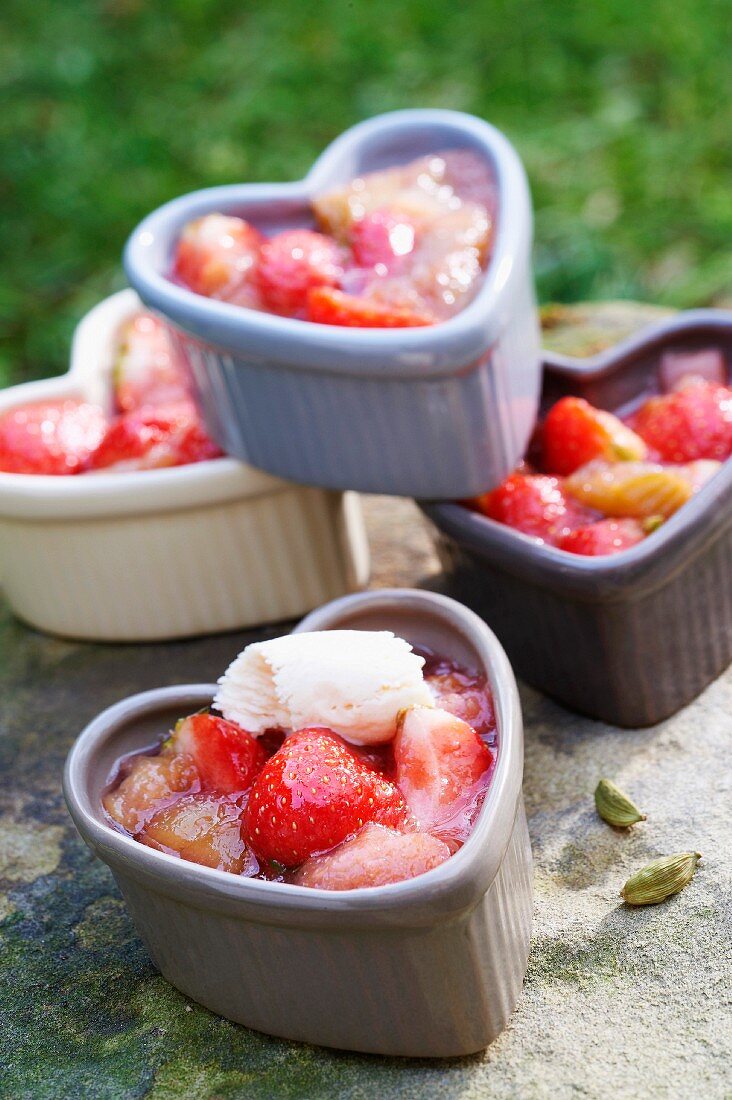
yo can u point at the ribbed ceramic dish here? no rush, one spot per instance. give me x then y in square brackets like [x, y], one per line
[364, 409]
[431, 967]
[631, 638]
[165, 553]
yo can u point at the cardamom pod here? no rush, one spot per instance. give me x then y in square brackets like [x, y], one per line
[660, 879]
[614, 806]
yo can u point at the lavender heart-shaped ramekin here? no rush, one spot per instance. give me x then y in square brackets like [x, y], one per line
[429, 967]
[627, 638]
[428, 412]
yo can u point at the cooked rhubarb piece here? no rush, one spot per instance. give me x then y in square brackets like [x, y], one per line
[693, 422]
[575, 433]
[312, 794]
[50, 437]
[374, 857]
[151, 782]
[463, 694]
[147, 370]
[636, 489]
[442, 766]
[152, 438]
[203, 828]
[216, 256]
[226, 756]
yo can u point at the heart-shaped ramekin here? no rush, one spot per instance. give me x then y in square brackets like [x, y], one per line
[142, 556]
[630, 638]
[425, 412]
[430, 967]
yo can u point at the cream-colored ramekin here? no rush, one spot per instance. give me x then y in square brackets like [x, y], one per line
[157, 554]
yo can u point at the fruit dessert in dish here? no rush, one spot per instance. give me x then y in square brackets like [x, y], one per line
[336, 759]
[595, 483]
[398, 248]
[153, 421]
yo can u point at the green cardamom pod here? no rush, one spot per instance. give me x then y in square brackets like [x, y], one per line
[614, 806]
[660, 879]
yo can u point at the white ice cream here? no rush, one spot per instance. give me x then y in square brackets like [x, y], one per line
[355, 682]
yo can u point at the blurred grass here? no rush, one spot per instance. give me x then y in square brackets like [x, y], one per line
[622, 112]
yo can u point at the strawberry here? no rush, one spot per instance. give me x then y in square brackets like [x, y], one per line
[312, 794]
[693, 422]
[226, 756]
[151, 438]
[637, 489]
[291, 264]
[442, 768]
[50, 437]
[150, 782]
[202, 828]
[575, 432]
[381, 237]
[607, 536]
[216, 256]
[375, 856]
[148, 370]
[535, 504]
[332, 307]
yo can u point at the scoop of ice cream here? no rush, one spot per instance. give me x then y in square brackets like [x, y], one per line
[355, 682]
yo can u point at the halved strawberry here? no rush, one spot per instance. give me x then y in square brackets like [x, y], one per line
[374, 857]
[693, 422]
[638, 489]
[607, 536]
[227, 757]
[381, 238]
[147, 370]
[575, 432]
[202, 828]
[216, 256]
[152, 438]
[535, 504]
[333, 307]
[312, 794]
[151, 782]
[442, 768]
[291, 264]
[50, 437]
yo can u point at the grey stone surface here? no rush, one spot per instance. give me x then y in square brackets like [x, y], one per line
[617, 1003]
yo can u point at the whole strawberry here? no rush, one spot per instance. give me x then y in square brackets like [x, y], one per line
[311, 795]
[607, 536]
[694, 422]
[575, 433]
[535, 504]
[292, 263]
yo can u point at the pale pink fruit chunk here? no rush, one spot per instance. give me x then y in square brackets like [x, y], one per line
[217, 256]
[205, 829]
[148, 370]
[151, 782]
[464, 695]
[374, 857]
[442, 769]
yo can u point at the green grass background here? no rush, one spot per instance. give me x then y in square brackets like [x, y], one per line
[621, 110]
